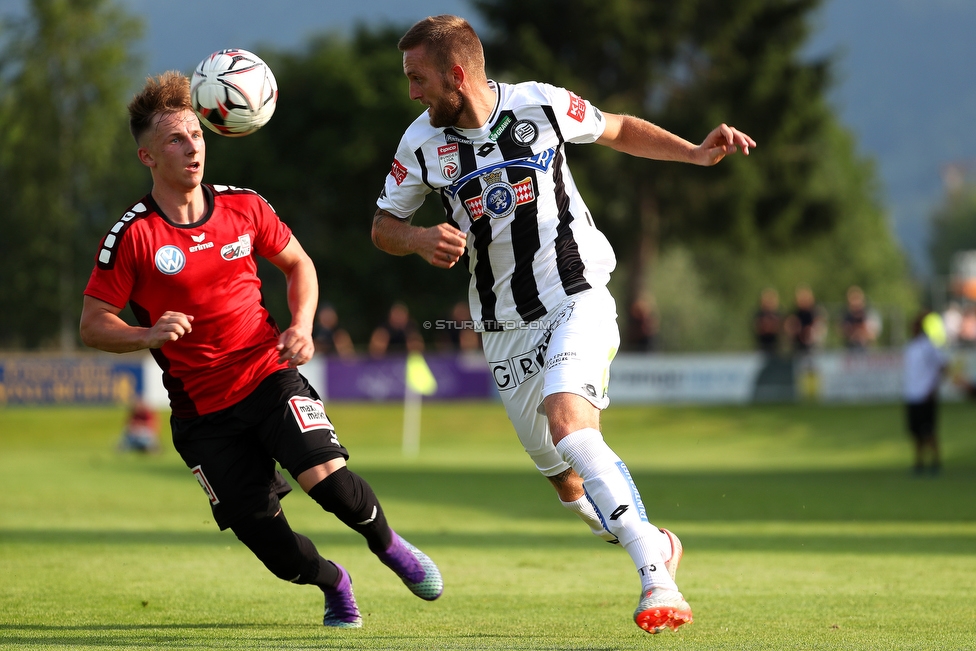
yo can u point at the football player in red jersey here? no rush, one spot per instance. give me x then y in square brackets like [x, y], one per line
[184, 258]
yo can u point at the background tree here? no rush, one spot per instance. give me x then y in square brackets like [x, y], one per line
[953, 227]
[321, 162]
[784, 212]
[65, 71]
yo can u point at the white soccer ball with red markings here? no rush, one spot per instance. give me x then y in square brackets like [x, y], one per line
[234, 92]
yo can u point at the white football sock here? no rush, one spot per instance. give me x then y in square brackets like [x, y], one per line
[587, 514]
[612, 491]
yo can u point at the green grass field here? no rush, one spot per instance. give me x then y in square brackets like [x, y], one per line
[802, 525]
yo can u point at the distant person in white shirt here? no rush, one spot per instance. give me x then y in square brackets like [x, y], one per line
[924, 366]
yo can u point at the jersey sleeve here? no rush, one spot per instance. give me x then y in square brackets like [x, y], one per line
[271, 235]
[404, 190]
[113, 282]
[579, 121]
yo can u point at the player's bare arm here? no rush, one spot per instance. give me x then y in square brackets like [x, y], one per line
[441, 246]
[295, 344]
[102, 328]
[641, 138]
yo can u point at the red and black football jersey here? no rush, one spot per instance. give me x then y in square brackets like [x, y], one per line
[207, 270]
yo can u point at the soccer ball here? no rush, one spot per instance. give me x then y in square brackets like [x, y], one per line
[233, 92]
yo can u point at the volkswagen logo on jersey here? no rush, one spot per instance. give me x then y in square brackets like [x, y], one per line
[170, 260]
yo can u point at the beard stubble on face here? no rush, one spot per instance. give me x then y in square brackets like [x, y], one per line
[447, 111]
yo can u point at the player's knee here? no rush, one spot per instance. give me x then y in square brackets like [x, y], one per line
[348, 496]
[352, 500]
[286, 554]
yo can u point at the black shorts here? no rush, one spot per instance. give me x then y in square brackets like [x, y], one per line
[232, 452]
[921, 419]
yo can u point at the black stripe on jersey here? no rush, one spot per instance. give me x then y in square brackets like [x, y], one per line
[449, 217]
[109, 246]
[568, 261]
[484, 278]
[179, 399]
[525, 231]
[423, 168]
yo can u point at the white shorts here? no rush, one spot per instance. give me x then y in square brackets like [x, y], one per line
[567, 351]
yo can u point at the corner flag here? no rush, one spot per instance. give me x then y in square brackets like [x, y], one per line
[419, 378]
[419, 382]
[934, 328]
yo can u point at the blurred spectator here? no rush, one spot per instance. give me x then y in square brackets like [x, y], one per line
[952, 320]
[858, 327]
[924, 366]
[967, 327]
[141, 432]
[642, 325]
[460, 334]
[328, 337]
[805, 325]
[768, 322]
[398, 334]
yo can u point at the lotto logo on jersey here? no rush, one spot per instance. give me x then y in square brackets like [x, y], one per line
[398, 172]
[577, 107]
[309, 414]
[239, 249]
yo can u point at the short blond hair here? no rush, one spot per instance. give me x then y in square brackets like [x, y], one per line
[165, 93]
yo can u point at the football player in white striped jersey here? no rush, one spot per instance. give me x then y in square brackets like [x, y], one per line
[495, 153]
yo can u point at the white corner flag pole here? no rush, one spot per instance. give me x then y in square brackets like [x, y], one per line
[411, 423]
[418, 381]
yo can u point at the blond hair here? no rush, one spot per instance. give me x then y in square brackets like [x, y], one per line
[166, 93]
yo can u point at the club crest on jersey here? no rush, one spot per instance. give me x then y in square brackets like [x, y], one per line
[500, 198]
[170, 260]
[524, 133]
[577, 107]
[239, 249]
[449, 158]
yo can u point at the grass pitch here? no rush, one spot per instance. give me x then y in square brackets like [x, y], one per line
[802, 525]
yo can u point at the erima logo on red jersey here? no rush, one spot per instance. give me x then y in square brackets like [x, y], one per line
[398, 172]
[577, 107]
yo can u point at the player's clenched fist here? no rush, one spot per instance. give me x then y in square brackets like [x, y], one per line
[170, 327]
[445, 245]
[295, 347]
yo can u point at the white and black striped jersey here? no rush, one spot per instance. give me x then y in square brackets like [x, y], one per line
[531, 241]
